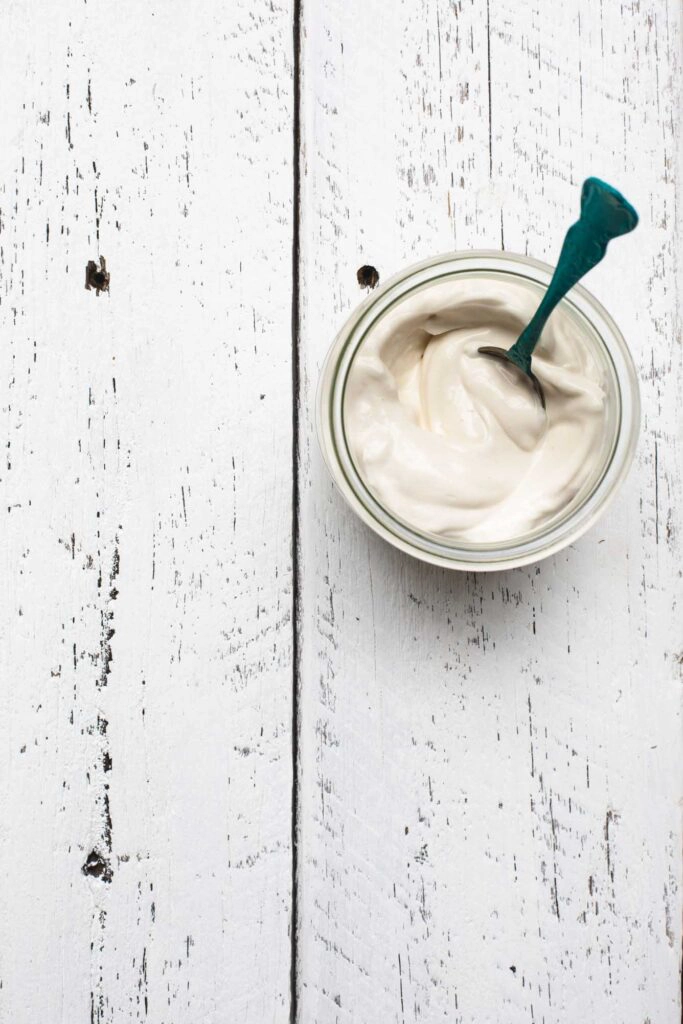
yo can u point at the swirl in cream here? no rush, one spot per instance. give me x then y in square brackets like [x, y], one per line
[452, 442]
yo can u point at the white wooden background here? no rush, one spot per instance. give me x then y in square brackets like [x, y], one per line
[256, 766]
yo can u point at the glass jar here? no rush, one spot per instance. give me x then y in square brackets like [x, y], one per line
[596, 329]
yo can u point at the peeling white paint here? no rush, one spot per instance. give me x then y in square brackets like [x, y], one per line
[489, 828]
[153, 423]
[488, 767]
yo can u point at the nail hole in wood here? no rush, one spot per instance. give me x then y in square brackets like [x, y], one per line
[97, 867]
[368, 277]
[97, 278]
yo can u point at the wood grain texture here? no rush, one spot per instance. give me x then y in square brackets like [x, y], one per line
[145, 722]
[490, 765]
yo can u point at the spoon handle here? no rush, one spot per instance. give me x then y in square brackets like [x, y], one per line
[605, 214]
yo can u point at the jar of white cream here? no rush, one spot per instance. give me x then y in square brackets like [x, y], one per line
[447, 454]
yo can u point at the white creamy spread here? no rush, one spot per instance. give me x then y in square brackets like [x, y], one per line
[453, 442]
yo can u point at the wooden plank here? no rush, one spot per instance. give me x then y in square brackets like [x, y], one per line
[146, 708]
[490, 765]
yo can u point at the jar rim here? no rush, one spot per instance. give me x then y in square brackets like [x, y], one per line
[452, 552]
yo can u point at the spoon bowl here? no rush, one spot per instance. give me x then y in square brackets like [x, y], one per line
[527, 377]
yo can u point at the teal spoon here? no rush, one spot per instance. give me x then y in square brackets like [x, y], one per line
[605, 214]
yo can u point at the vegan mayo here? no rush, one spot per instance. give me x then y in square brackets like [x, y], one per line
[454, 443]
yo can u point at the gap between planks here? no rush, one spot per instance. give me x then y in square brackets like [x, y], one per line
[296, 549]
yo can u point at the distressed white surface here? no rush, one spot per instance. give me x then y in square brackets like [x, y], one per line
[150, 430]
[488, 766]
[489, 828]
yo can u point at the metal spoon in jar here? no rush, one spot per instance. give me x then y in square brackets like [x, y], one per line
[605, 214]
